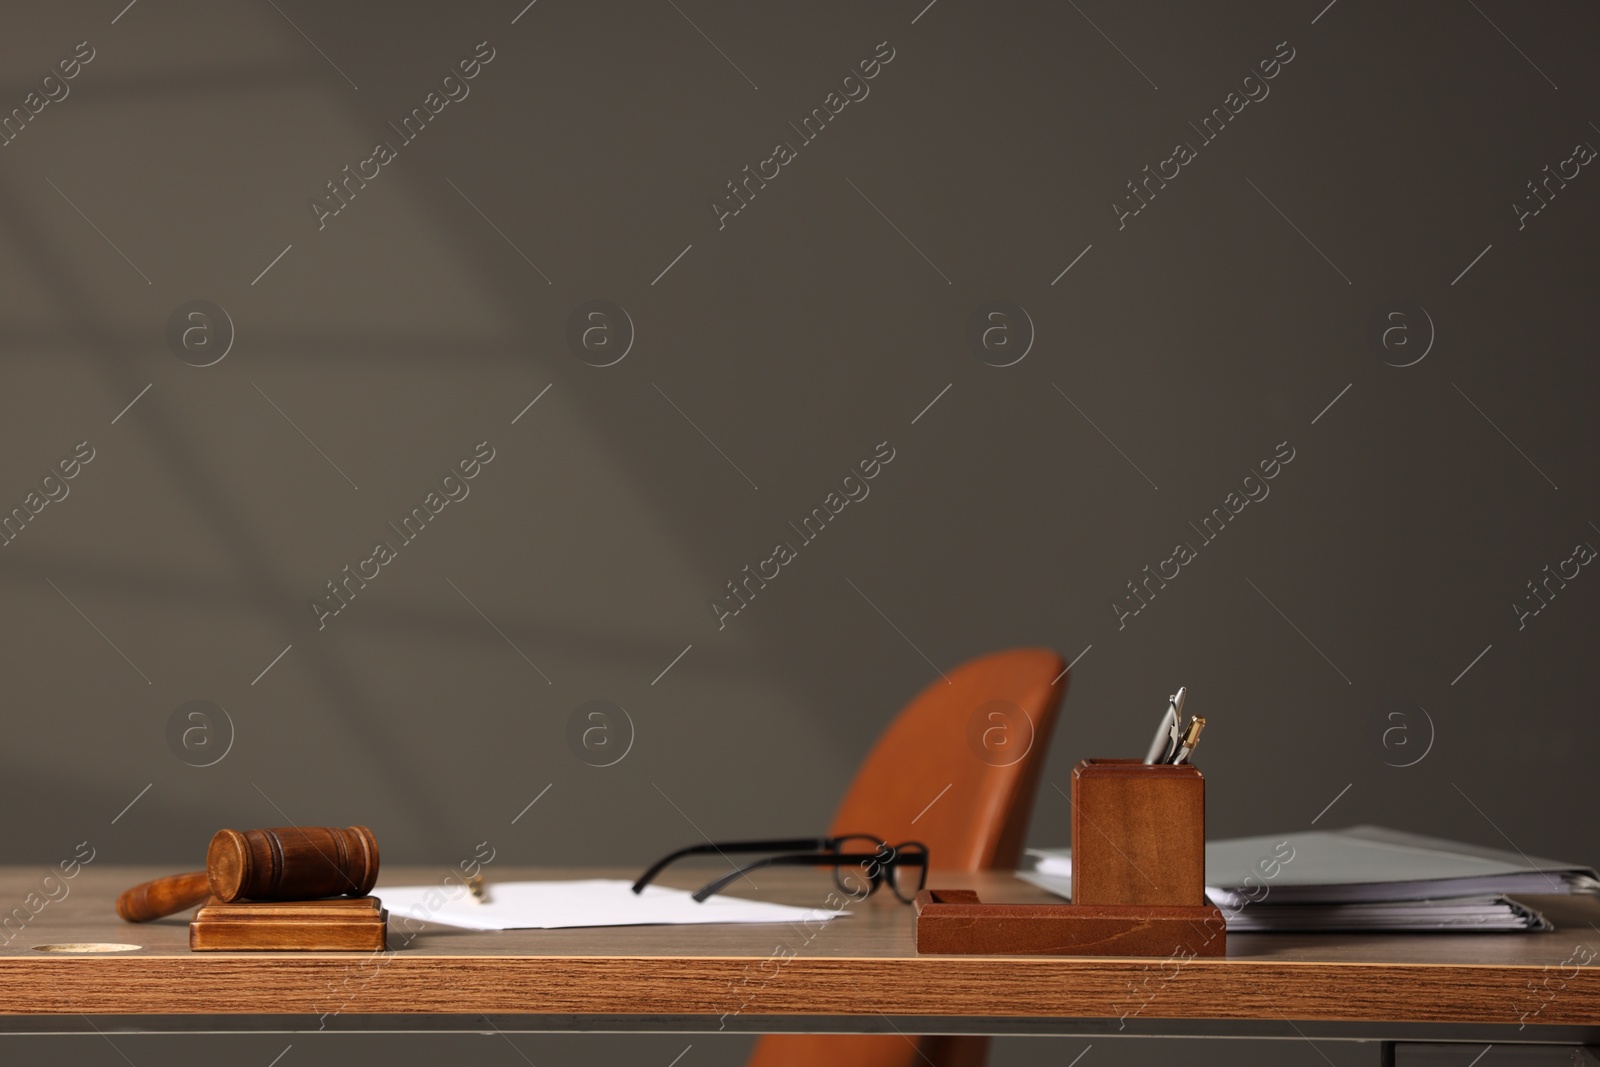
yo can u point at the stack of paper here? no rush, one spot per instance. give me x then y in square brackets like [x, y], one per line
[1362, 878]
[1459, 914]
[589, 902]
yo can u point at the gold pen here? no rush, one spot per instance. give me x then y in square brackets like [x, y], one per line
[1191, 738]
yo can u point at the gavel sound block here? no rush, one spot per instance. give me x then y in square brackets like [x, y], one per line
[1138, 877]
[278, 889]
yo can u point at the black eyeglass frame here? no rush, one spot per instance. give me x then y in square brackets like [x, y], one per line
[877, 866]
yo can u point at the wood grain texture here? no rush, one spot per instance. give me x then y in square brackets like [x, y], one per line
[341, 924]
[957, 921]
[821, 969]
[1138, 834]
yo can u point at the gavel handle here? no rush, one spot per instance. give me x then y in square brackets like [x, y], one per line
[164, 896]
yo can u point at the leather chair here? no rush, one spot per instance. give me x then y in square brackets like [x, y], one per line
[947, 745]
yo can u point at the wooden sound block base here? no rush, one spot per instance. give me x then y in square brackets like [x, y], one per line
[339, 924]
[955, 921]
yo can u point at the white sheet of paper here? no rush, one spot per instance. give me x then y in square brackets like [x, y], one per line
[590, 902]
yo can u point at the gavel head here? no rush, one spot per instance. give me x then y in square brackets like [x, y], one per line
[292, 863]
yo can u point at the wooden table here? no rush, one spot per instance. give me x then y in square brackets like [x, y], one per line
[858, 973]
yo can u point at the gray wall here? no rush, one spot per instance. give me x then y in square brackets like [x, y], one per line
[776, 350]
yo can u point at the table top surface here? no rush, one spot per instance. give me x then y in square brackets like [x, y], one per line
[862, 963]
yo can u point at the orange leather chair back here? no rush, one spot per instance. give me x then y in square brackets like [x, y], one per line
[956, 770]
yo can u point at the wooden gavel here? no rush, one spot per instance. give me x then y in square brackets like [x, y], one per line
[283, 863]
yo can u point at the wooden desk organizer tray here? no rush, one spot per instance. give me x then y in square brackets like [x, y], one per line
[1138, 877]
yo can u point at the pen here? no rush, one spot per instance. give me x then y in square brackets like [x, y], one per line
[1191, 738]
[1158, 745]
[478, 889]
[1176, 739]
[1166, 731]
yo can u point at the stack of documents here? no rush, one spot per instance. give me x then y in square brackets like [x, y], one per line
[1362, 878]
[588, 902]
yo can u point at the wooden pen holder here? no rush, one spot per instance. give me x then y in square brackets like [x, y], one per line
[1138, 877]
[1138, 833]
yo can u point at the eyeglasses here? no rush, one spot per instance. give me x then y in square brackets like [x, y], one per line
[904, 866]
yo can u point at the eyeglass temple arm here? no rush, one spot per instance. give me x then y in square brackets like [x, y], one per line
[720, 883]
[784, 845]
[813, 859]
